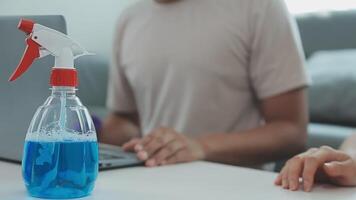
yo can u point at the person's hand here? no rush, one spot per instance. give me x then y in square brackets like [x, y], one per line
[324, 164]
[165, 146]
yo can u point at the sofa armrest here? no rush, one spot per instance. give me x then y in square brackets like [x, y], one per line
[326, 134]
[319, 30]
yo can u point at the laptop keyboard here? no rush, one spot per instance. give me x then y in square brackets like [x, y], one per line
[104, 156]
[115, 157]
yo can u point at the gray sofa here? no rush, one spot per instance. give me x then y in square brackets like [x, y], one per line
[19, 100]
[329, 40]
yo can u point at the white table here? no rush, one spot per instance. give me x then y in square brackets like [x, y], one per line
[199, 180]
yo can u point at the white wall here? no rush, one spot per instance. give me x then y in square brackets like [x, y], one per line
[306, 6]
[90, 22]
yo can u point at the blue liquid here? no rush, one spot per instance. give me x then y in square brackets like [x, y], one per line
[60, 169]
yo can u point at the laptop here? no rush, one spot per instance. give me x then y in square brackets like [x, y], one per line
[110, 157]
[113, 157]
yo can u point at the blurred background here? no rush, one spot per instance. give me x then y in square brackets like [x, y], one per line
[327, 28]
[104, 13]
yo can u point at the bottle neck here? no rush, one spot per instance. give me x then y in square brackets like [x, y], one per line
[63, 90]
[64, 77]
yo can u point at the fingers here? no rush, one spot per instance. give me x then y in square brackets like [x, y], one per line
[285, 177]
[129, 146]
[327, 154]
[147, 139]
[278, 180]
[168, 151]
[282, 179]
[158, 141]
[341, 173]
[308, 164]
[294, 172]
[282, 176]
[166, 146]
[315, 161]
[335, 169]
[311, 165]
[291, 172]
[179, 157]
[153, 143]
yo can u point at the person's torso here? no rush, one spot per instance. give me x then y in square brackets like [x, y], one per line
[187, 63]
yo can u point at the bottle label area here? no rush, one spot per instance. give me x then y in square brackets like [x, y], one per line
[60, 169]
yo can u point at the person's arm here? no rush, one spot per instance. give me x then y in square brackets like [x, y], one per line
[119, 128]
[283, 134]
[321, 164]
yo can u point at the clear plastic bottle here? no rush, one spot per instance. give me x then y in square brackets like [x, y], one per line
[61, 151]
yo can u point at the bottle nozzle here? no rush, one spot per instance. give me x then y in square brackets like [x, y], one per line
[42, 41]
[26, 25]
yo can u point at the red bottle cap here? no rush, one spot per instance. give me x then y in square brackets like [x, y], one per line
[64, 77]
[26, 25]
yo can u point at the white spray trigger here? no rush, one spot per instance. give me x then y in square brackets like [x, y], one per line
[62, 47]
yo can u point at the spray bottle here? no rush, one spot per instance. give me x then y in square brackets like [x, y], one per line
[60, 157]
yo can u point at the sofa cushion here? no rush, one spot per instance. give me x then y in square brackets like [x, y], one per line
[332, 96]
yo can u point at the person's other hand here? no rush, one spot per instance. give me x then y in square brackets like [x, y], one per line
[325, 163]
[165, 146]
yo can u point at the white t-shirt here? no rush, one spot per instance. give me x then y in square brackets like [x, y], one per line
[203, 66]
